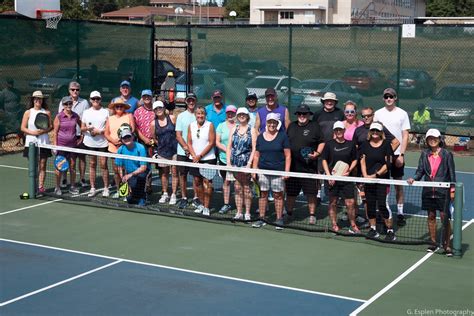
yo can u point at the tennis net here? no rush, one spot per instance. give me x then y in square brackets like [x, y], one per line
[250, 199]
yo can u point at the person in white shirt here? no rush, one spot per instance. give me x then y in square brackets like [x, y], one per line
[396, 120]
[93, 126]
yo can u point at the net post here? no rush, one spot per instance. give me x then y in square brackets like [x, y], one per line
[457, 229]
[32, 170]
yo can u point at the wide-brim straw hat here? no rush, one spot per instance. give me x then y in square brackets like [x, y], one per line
[119, 102]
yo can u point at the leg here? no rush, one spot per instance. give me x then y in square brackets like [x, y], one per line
[183, 185]
[226, 191]
[239, 196]
[42, 172]
[290, 203]
[332, 211]
[174, 179]
[350, 205]
[198, 188]
[92, 169]
[82, 166]
[72, 171]
[278, 196]
[105, 171]
[262, 203]
[164, 175]
[432, 226]
[207, 194]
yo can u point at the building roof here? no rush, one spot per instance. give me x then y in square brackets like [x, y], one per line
[189, 2]
[144, 11]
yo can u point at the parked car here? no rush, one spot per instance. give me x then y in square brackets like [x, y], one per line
[414, 82]
[253, 68]
[281, 84]
[56, 84]
[203, 84]
[454, 104]
[232, 64]
[313, 89]
[366, 80]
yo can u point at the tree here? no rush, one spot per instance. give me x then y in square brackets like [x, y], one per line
[242, 7]
[450, 8]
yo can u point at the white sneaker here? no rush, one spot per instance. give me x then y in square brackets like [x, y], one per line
[247, 217]
[173, 199]
[199, 209]
[115, 195]
[106, 192]
[92, 192]
[58, 191]
[206, 211]
[164, 198]
[238, 216]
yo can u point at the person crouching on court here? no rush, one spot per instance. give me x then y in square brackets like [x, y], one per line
[436, 164]
[375, 159]
[132, 171]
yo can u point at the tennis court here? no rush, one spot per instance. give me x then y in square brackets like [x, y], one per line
[62, 258]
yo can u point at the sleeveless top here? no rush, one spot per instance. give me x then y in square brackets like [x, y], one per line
[200, 138]
[41, 139]
[241, 148]
[114, 124]
[67, 129]
[167, 144]
[263, 112]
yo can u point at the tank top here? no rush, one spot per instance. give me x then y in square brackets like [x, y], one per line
[40, 139]
[67, 129]
[200, 138]
[166, 136]
[241, 148]
[114, 124]
[263, 112]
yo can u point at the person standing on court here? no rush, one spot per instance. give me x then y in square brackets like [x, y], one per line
[79, 105]
[398, 123]
[272, 153]
[306, 144]
[216, 111]
[37, 136]
[351, 122]
[222, 139]
[251, 103]
[335, 150]
[361, 132]
[183, 120]
[436, 164]
[328, 115]
[126, 96]
[271, 106]
[94, 121]
[375, 159]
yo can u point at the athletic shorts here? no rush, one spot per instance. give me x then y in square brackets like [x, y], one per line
[99, 149]
[345, 190]
[164, 165]
[195, 171]
[294, 186]
[183, 170]
[396, 172]
[273, 183]
[44, 152]
[435, 204]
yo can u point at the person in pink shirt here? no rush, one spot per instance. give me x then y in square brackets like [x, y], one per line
[351, 122]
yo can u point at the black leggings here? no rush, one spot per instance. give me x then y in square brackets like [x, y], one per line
[376, 193]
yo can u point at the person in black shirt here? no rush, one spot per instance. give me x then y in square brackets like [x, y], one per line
[339, 149]
[361, 132]
[375, 157]
[328, 115]
[306, 144]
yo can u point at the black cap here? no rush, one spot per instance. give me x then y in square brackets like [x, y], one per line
[270, 91]
[191, 95]
[251, 95]
[303, 108]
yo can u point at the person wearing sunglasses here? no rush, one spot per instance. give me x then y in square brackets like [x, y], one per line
[79, 105]
[398, 123]
[93, 127]
[350, 122]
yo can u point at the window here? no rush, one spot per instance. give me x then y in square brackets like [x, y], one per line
[286, 15]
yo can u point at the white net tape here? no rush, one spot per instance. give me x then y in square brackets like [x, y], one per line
[52, 19]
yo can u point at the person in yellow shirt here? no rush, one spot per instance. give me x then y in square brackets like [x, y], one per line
[421, 119]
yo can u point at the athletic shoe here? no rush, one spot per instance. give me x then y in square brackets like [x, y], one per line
[92, 192]
[106, 192]
[390, 236]
[73, 190]
[432, 248]
[83, 183]
[225, 208]
[196, 203]
[312, 220]
[259, 223]
[173, 199]
[238, 216]
[164, 198]
[448, 253]
[372, 233]
[271, 198]
[279, 224]
[360, 219]
[64, 183]
[354, 230]
[199, 209]
[141, 202]
[206, 211]
[41, 190]
[247, 217]
[58, 191]
[401, 220]
[182, 203]
[115, 195]
[335, 228]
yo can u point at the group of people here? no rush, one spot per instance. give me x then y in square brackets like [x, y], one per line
[248, 137]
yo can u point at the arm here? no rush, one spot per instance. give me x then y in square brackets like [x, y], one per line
[24, 123]
[218, 142]
[56, 130]
[287, 153]
[190, 145]
[152, 132]
[228, 150]
[132, 122]
[181, 141]
[419, 173]
[257, 123]
[287, 119]
[254, 148]
[363, 167]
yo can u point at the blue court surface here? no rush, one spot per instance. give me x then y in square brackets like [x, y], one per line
[39, 280]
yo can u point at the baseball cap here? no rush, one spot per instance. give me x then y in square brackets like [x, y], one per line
[231, 108]
[158, 104]
[124, 132]
[243, 110]
[376, 126]
[95, 94]
[66, 99]
[251, 95]
[338, 124]
[147, 92]
[329, 96]
[433, 132]
[303, 108]
[191, 95]
[125, 83]
[390, 91]
[270, 91]
[217, 93]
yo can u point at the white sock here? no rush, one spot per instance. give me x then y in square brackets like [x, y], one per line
[400, 209]
[373, 227]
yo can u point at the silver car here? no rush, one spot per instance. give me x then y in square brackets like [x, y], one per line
[454, 104]
[259, 84]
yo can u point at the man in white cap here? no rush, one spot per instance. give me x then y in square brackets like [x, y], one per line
[396, 120]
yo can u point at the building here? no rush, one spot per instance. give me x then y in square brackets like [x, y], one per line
[185, 4]
[335, 11]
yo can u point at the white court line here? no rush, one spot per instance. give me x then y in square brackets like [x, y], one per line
[59, 283]
[398, 279]
[31, 206]
[188, 271]
[13, 167]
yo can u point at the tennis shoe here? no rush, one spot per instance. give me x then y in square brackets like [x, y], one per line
[196, 202]
[390, 236]
[92, 192]
[164, 198]
[247, 217]
[260, 223]
[199, 209]
[432, 248]
[141, 202]
[182, 203]
[57, 191]
[372, 233]
[115, 195]
[401, 220]
[83, 183]
[238, 216]
[279, 224]
[106, 192]
[312, 220]
[64, 183]
[360, 219]
[448, 253]
[225, 208]
[206, 211]
[173, 199]
[354, 230]
[41, 190]
[73, 190]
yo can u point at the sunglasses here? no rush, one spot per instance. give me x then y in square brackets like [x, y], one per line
[67, 104]
[388, 96]
[119, 106]
[339, 130]
[96, 99]
[375, 131]
[72, 89]
[127, 137]
[350, 111]
[366, 115]
[300, 114]
[198, 133]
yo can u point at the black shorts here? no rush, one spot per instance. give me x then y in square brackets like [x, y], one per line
[396, 172]
[223, 173]
[81, 146]
[183, 170]
[99, 149]
[43, 153]
[436, 204]
[293, 186]
[345, 190]
[195, 171]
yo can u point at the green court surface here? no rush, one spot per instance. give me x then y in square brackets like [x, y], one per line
[350, 269]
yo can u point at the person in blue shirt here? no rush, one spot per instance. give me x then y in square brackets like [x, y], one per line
[126, 96]
[216, 110]
[132, 171]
